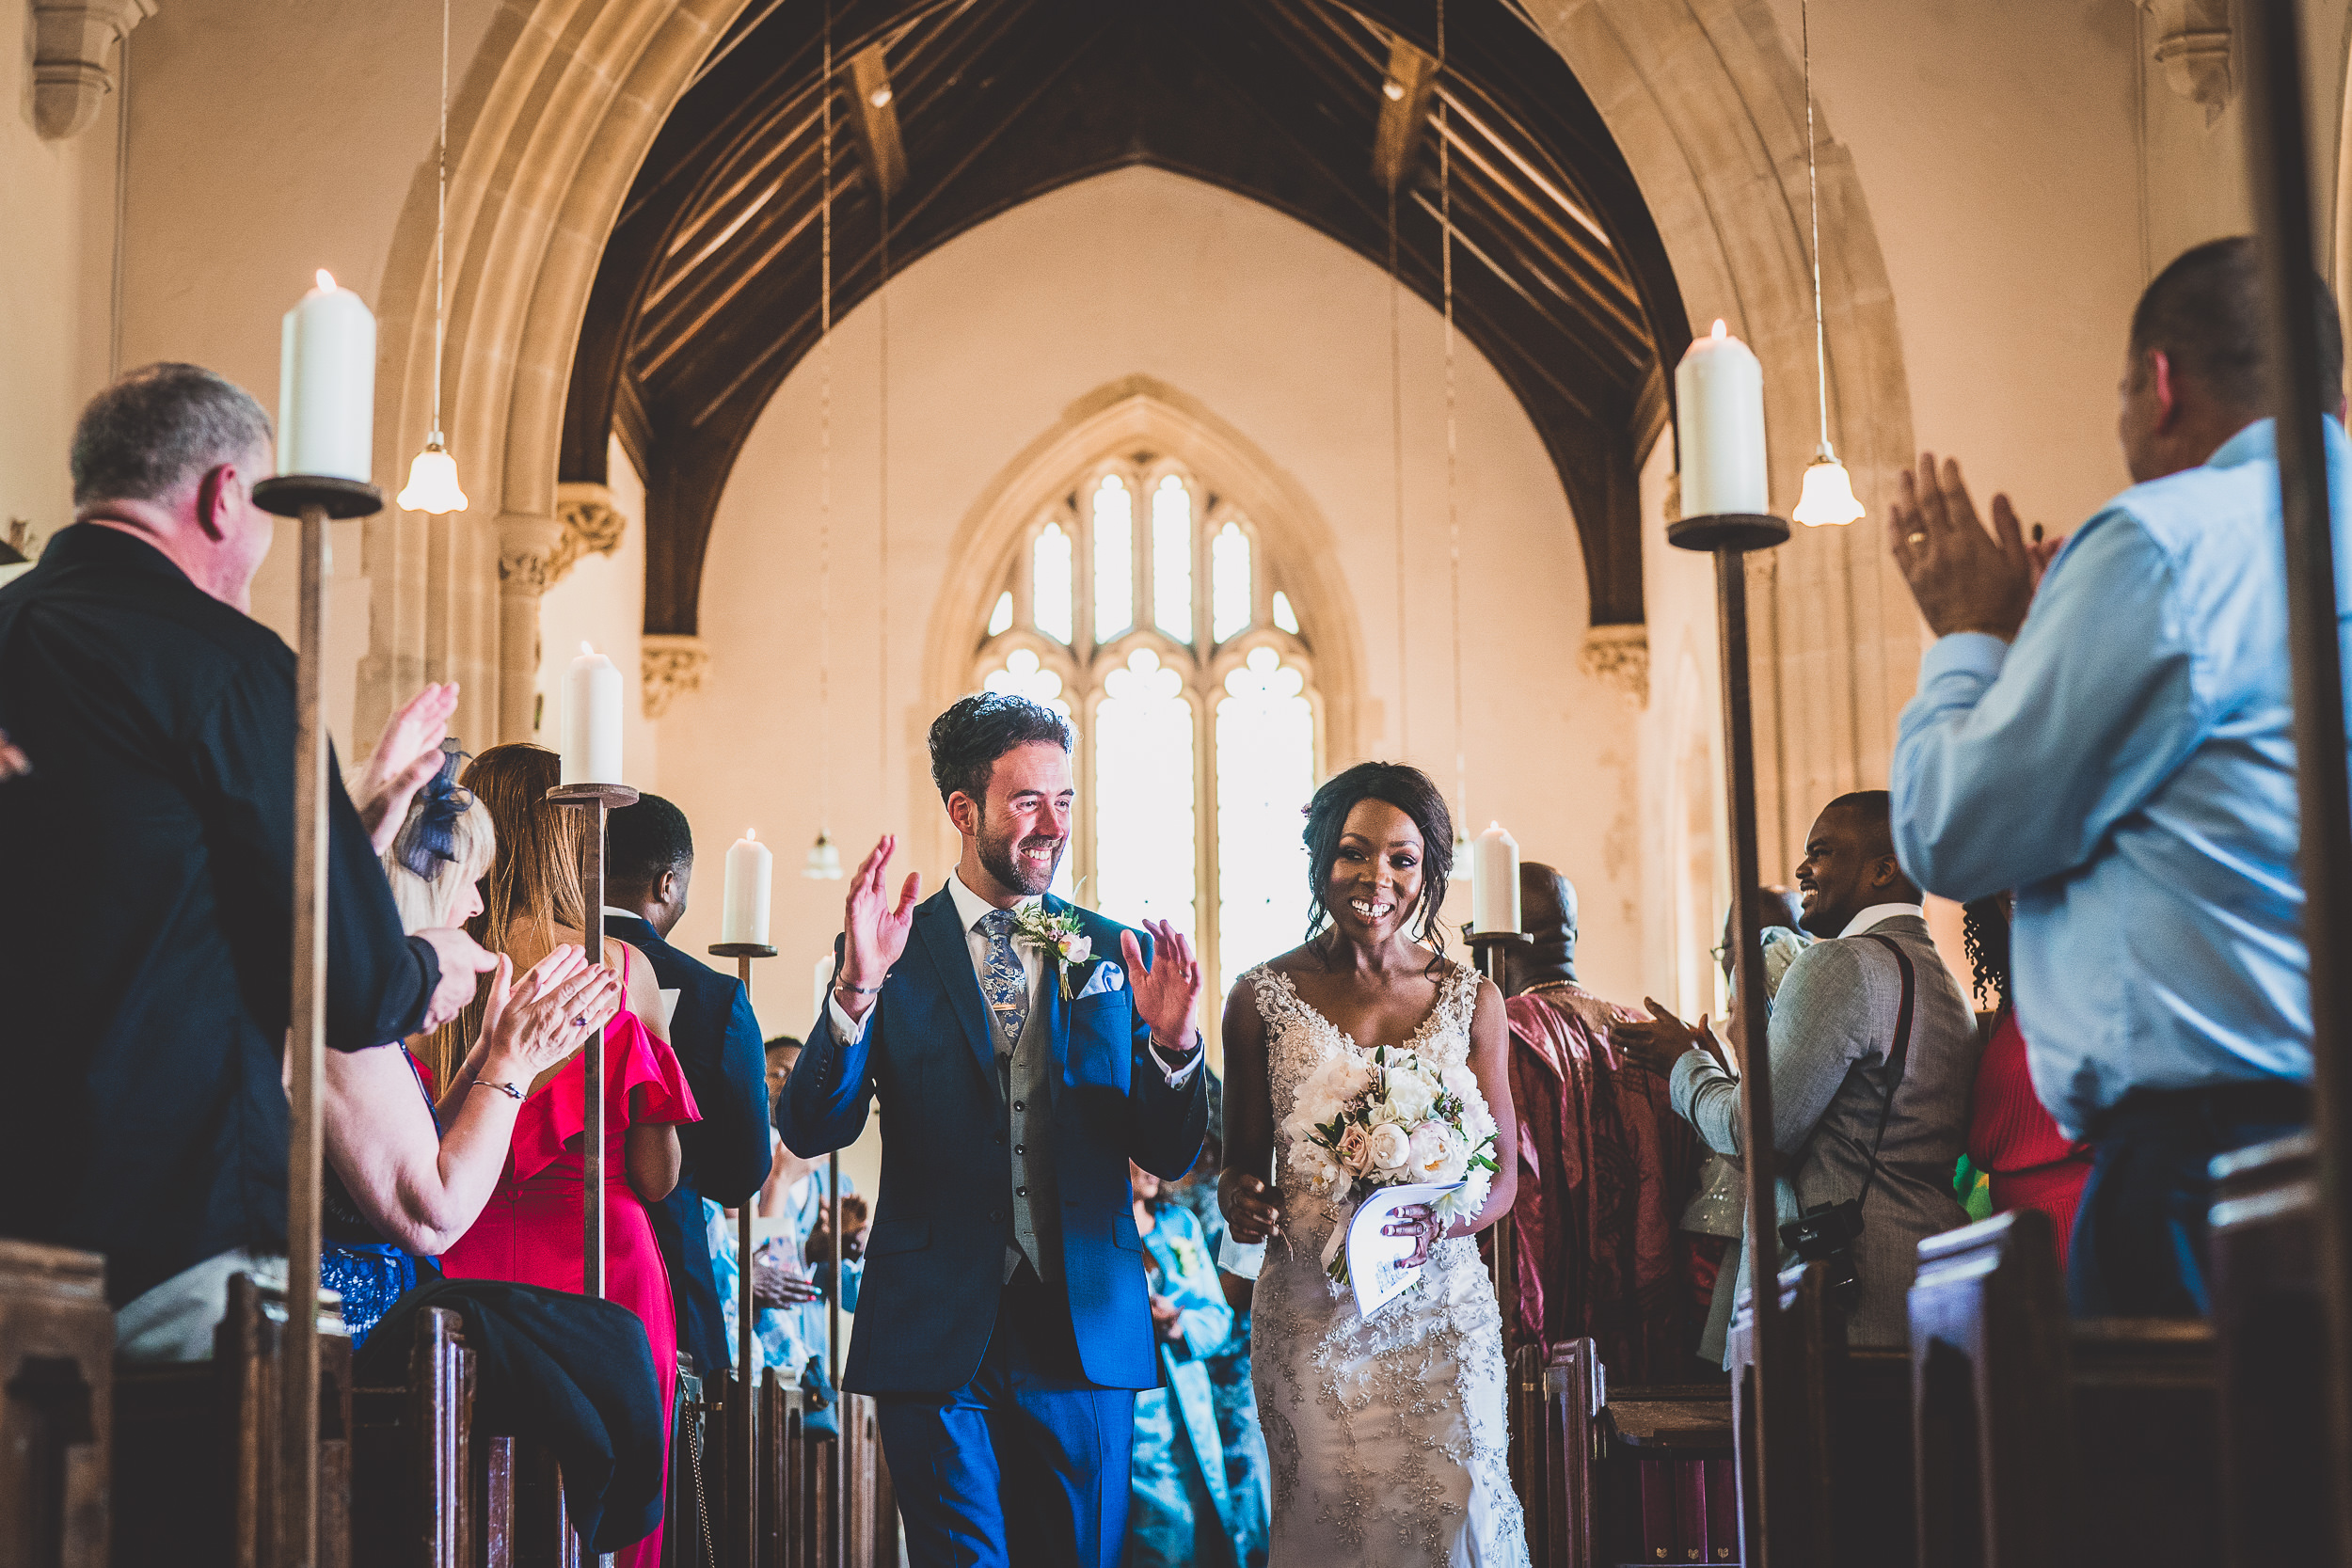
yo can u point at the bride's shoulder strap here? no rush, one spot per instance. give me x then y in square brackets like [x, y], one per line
[1277, 999]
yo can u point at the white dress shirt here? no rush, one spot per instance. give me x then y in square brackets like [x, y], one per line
[1876, 915]
[971, 909]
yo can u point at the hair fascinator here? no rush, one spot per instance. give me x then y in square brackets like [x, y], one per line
[430, 837]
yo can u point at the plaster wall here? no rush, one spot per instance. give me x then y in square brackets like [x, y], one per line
[602, 601]
[1279, 332]
[58, 197]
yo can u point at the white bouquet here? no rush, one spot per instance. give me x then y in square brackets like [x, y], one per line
[1384, 1117]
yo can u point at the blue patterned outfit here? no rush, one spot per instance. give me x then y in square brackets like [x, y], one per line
[1248, 1474]
[1180, 1513]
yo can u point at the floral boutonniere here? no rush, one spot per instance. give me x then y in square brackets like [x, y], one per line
[1058, 934]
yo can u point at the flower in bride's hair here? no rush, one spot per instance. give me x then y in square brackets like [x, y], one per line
[1355, 1149]
[1390, 1147]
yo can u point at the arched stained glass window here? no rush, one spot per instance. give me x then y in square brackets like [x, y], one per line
[1154, 621]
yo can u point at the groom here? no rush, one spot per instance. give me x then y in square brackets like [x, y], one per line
[1005, 1325]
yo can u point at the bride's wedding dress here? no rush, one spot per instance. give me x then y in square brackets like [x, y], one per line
[1387, 1436]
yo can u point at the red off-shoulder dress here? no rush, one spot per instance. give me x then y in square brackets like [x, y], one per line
[531, 1232]
[2028, 1163]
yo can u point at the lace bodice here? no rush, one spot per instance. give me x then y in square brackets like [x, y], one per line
[1298, 1037]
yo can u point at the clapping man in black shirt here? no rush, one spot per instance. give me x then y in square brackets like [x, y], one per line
[145, 947]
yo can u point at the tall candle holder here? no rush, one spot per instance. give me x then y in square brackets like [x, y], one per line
[743, 1451]
[1492, 952]
[599, 801]
[1729, 537]
[314, 498]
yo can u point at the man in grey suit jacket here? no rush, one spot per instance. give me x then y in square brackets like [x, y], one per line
[1832, 1027]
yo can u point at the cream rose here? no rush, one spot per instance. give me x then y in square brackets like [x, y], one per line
[1390, 1147]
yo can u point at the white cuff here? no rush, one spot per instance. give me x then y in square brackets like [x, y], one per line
[1177, 1076]
[846, 1030]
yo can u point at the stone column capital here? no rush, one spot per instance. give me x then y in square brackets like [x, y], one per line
[592, 523]
[668, 665]
[74, 43]
[1620, 655]
[527, 542]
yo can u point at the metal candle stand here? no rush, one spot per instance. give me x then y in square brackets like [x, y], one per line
[1493, 950]
[598, 801]
[746, 1431]
[314, 498]
[1729, 536]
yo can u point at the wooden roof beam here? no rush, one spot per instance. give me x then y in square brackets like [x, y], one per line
[1405, 94]
[877, 119]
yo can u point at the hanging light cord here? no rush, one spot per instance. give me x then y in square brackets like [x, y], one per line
[1452, 515]
[1813, 186]
[824, 451]
[441, 223]
[1396, 441]
[881, 523]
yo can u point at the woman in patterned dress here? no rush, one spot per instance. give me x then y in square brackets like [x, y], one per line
[1387, 1434]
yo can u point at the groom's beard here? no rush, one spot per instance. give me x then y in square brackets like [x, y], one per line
[1017, 871]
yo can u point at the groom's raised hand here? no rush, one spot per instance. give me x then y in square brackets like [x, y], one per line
[1168, 992]
[875, 931]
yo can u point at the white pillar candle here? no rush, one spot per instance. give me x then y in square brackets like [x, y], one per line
[1719, 397]
[1495, 881]
[327, 385]
[592, 720]
[743, 918]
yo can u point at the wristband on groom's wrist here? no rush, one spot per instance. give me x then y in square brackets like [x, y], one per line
[1184, 1050]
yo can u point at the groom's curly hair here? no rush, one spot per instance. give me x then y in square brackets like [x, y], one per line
[967, 739]
[1410, 791]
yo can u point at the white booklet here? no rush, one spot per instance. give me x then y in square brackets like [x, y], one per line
[1376, 1263]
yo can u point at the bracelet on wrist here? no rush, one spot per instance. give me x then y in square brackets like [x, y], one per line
[848, 990]
[508, 1089]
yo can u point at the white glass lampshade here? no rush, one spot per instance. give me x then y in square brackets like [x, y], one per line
[824, 860]
[1828, 499]
[432, 481]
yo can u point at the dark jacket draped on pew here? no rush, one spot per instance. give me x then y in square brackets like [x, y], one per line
[146, 934]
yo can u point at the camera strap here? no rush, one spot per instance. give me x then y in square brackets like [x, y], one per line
[1897, 1055]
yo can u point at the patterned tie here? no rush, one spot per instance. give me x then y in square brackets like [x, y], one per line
[1002, 982]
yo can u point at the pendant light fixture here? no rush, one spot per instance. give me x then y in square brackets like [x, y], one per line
[825, 857]
[432, 477]
[1828, 498]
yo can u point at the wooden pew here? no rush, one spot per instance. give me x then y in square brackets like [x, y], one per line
[1848, 1501]
[57, 1406]
[196, 1443]
[2269, 1319]
[869, 1508]
[413, 1480]
[1620, 1475]
[2041, 1442]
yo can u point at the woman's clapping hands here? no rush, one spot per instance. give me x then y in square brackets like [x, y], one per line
[534, 1024]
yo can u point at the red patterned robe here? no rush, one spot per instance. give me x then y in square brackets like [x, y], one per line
[1605, 1168]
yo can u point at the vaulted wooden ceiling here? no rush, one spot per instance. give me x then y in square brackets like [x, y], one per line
[948, 112]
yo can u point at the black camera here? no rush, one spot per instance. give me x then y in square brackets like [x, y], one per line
[1826, 1233]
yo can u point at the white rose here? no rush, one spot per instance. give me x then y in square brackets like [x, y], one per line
[1076, 950]
[1390, 1147]
[1411, 1096]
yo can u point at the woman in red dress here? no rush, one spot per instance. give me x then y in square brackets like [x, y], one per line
[2028, 1163]
[531, 1232]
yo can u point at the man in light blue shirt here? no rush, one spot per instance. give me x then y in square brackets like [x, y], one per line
[2122, 757]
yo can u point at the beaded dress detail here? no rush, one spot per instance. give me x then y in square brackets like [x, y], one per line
[1387, 1436]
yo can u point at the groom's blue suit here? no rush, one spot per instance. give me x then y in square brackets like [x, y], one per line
[1004, 1402]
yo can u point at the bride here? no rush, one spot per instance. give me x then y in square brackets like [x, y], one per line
[1387, 1434]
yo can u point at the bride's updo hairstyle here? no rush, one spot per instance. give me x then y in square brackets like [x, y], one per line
[1409, 790]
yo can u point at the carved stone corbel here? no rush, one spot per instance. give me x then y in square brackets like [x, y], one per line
[74, 43]
[592, 522]
[1620, 655]
[669, 664]
[2193, 47]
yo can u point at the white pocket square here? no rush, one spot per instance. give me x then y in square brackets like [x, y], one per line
[1108, 978]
